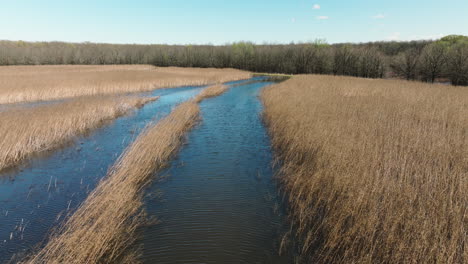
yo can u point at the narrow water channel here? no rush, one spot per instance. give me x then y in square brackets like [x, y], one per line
[36, 196]
[218, 203]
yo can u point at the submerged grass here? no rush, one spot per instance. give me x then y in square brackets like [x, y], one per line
[40, 83]
[27, 131]
[103, 227]
[375, 171]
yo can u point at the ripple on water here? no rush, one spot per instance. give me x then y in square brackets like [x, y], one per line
[34, 198]
[219, 204]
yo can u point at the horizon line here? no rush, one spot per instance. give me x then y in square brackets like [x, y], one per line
[322, 40]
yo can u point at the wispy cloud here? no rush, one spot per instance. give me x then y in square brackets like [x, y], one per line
[379, 16]
[427, 37]
[395, 36]
[316, 7]
[293, 20]
[322, 17]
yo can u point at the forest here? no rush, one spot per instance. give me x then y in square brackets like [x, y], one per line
[444, 60]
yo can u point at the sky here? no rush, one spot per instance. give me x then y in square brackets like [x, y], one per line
[220, 21]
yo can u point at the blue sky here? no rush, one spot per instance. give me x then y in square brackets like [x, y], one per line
[219, 22]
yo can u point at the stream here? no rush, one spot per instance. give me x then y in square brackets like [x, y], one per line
[217, 203]
[37, 195]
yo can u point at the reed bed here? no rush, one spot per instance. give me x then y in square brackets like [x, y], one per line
[375, 171]
[25, 131]
[211, 91]
[43, 83]
[103, 227]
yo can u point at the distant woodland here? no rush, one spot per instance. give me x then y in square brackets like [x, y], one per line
[443, 60]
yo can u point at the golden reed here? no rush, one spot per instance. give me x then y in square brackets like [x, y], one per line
[42, 83]
[103, 227]
[375, 171]
[25, 131]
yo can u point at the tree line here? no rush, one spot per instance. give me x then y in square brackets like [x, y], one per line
[444, 59]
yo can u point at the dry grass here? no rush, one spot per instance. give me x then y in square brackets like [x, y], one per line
[26, 131]
[375, 171]
[39, 83]
[103, 227]
[211, 91]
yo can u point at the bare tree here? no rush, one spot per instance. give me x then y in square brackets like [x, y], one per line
[410, 60]
[371, 63]
[433, 61]
[345, 61]
[457, 64]
[406, 63]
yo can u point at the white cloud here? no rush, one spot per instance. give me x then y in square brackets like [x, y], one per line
[293, 20]
[427, 37]
[395, 36]
[322, 17]
[379, 16]
[316, 7]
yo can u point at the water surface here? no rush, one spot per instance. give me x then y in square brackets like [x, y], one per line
[219, 203]
[36, 196]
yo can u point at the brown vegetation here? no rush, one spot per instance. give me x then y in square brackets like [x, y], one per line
[25, 131]
[375, 171]
[211, 91]
[103, 227]
[39, 83]
[444, 59]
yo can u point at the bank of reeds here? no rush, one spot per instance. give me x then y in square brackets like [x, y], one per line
[42, 83]
[211, 91]
[375, 171]
[103, 227]
[25, 131]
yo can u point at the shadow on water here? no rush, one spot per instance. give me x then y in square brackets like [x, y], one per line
[220, 203]
[36, 196]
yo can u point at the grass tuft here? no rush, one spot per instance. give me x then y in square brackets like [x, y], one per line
[211, 91]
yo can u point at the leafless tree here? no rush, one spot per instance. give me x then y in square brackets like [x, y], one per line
[433, 60]
[406, 64]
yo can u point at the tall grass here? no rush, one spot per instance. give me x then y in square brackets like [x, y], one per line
[103, 227]
[375, 171]
[211, 91]
[39, 83]
[27, 131]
